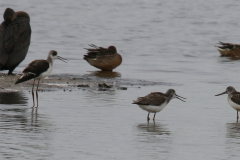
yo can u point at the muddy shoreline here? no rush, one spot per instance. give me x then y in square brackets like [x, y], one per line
[74, 82]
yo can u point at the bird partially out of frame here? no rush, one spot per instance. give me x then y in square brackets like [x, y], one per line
[15, 35]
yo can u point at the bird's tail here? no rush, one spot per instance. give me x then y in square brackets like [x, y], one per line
[26, 77]
[225, 46]
[135, 101]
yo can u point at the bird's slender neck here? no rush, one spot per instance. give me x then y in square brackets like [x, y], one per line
[50, 60]
[229, 97]
[168, 95]
[168, 99]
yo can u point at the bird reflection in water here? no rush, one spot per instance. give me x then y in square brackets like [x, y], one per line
[12, 118]
[13, 98]
[34, 116]
[232, 140]
[105, 74]
[155, 128]
[12, 112]
[233, 130]
[24, 131]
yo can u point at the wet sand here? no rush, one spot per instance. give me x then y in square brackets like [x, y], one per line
[97, 80]
[51, 83]
[54, 82]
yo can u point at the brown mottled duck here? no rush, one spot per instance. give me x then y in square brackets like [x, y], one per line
[229, 49]
[105, 59]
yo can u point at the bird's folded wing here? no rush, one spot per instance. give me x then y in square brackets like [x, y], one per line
[236, 98]
[154, 98]
[37, 67]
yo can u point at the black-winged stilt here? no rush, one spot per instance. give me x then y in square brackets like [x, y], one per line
[38, 70]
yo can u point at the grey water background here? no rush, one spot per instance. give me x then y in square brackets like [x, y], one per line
[160, 41]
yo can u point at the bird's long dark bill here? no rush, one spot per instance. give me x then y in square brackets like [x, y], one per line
[221, 93]
[179, 97]
[62, 59]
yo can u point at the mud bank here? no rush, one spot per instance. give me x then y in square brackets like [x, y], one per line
[73, 82]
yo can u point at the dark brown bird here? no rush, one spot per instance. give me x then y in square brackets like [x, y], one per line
[105, 59]
[229, 49]
[15, 35]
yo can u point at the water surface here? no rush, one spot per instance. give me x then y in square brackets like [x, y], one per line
[168, 43]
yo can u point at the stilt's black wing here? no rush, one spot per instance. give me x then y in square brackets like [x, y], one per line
[26, 77]
[37, 67]
[33, 70]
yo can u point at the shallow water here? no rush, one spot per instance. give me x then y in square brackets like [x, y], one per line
[168, 43]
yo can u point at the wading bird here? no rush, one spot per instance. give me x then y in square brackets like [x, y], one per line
[233, 98]
[38, 70]
[156, 101]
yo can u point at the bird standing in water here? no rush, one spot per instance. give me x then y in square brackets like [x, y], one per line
[105, 59]
[38, 70]
[156, 101]
[15, 35]
[233, 98]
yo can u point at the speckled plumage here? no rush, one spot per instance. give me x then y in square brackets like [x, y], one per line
[105, 59]
[154, 98]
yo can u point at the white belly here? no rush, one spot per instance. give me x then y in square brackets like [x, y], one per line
[45, 74]
[153, 109]
[234, 105]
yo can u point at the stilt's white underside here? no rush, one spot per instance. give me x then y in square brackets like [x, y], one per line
[45, 74]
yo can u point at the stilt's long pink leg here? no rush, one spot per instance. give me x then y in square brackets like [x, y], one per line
[37, 92]
[33, 93]
[237, 116]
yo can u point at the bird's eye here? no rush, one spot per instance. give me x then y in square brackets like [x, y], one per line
[54, 53]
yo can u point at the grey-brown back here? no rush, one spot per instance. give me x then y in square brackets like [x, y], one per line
[154, 98]
[235, 97]
[99, 51]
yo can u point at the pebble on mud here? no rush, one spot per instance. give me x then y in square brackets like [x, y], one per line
[83, 85]
[122, 88]
[104, 85]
